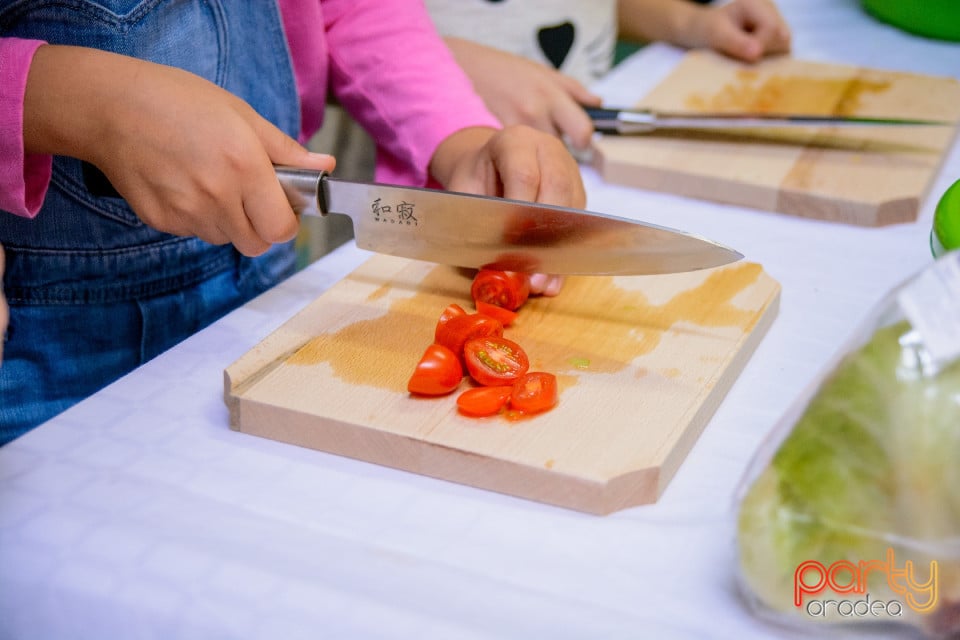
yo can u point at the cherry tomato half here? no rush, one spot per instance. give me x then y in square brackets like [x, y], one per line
[507, 289]
[504, 316]
[438, 373]
[534, 392]
[452, 311]
[494, 360]
[483, 401]
[455, 332]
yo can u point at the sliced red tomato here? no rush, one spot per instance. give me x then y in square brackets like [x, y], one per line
[507, 289]
[483, 401]
[455, 332]
[452, 311]
[534, 392]
[504, 316]
[494, 360]
[438, 373]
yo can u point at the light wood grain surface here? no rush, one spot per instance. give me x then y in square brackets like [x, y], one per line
[642, 364]
[870, 177]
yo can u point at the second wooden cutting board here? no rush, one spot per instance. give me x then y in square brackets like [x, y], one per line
[867, 177]
[643, 363]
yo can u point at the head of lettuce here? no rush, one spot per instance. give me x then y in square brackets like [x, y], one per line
[852, 514]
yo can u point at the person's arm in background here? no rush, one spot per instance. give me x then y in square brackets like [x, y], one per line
[521, 91]
[742, 29]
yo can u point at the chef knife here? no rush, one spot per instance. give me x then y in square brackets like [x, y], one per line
[630, 121]
[474, 231]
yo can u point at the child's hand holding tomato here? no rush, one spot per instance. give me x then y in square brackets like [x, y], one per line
[517, 162]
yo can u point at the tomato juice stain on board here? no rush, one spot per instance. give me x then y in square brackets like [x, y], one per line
[383, 351]
[595, 320]
[789, 94]
[797, 94]
[592, 320]
[825, 151]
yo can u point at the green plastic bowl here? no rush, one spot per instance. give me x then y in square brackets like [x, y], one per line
[931, 18]
[945, 234]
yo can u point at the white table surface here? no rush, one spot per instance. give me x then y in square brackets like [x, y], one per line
[140, 514]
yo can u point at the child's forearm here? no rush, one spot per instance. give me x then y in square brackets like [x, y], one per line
[657, 20]
[743, 29]
[70, 92]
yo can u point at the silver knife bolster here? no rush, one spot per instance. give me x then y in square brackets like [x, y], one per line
[621, 121]
[306, 189]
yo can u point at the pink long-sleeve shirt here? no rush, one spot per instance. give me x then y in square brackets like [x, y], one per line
[382, 59]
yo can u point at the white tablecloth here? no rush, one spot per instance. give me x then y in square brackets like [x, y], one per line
[140, 514]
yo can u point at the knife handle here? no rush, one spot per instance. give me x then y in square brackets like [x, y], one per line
[304, 189]
[621, 121]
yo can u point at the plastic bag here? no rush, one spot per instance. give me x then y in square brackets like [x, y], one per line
[849, 514]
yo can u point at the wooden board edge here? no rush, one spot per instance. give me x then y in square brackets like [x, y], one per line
[721, 389]
[860, 214]
[883, 213]
[679, 183]
[254, 365]
[790, 202]
[619, 493]
[401, 452]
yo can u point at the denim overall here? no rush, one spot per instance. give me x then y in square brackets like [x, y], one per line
[94, 292]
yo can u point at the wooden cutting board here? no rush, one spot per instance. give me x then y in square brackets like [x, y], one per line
[868, 177]
[642, 362]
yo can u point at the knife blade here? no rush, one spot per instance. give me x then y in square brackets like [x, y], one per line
[473, 231]
[633, 121]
